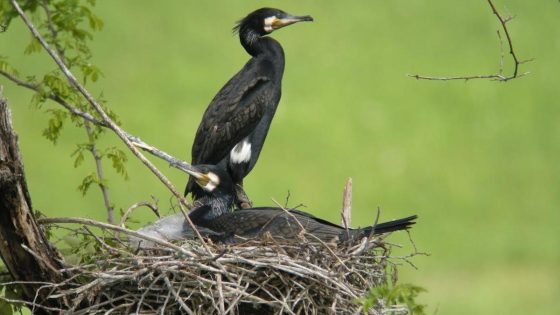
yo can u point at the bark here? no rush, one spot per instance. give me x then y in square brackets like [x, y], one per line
[23, 246]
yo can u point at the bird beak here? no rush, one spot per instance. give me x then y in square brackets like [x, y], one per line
[288, 20]
[201, 178]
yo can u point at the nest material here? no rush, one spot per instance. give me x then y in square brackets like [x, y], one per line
[256, 277]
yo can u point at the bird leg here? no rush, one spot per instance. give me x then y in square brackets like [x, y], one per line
[241, 199]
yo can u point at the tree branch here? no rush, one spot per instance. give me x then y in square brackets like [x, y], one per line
[107, 120]
[100, 176]
[497, 76]
[72, 109]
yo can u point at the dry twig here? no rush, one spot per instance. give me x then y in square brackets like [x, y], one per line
[495, 76]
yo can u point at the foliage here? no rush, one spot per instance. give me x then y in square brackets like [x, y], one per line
[68, 26]
[397, 294]
[9, 292]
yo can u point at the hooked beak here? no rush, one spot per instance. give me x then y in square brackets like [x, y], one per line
[201, 178]
[288, 20]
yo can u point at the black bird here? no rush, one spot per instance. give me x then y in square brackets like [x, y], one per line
[234, 127]
[217, 199]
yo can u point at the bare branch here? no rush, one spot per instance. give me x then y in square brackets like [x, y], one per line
[497, 76]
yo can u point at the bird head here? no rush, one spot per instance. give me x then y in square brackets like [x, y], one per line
[266, 20]
[211, 178]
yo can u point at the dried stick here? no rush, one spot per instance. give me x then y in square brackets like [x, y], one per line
[111, 124]
[346, 213]
[111, 227]
[496, 76]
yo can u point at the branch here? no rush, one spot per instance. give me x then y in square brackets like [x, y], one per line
[107, 120]
[72, 109]
[99, 168]
[174, 162]
[103, 225]
[346, 212]
[496, 76]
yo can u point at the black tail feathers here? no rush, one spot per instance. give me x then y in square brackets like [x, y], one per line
[391, 226]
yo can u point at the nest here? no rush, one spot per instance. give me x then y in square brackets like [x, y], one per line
[255, 277]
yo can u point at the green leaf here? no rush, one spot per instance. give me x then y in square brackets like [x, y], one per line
[55, 124]
[118, 158]
[79, 157]
[400, 294]
[5, 308]
[86, 183]
[33, 46]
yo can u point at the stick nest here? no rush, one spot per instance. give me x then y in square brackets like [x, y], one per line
[255, 277]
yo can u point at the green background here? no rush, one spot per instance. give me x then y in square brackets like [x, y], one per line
[479, 162]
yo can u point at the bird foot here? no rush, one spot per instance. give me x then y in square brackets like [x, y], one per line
[242, 200]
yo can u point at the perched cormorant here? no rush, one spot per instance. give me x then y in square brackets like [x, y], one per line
[217, 199]
[235, 124]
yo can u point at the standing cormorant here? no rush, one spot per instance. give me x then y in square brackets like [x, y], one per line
[217, 198]
[235, 124]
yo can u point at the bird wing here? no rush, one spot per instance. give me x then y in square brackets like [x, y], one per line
[277, 222]
[231, 116]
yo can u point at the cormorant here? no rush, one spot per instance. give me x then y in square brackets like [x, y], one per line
[214, 214]
[234, 127]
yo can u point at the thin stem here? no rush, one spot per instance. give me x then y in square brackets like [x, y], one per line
[99, 168]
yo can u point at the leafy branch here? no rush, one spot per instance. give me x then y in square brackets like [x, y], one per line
[64, 27]
[132, 143]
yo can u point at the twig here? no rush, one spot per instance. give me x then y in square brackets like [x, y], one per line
[99, 167]
[111, 227]
[177, 297]
[497, 76]
[174, 162]
[346, 213]
[135, 206]
[111, 124]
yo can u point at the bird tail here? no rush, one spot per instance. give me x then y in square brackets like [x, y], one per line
[391, 226]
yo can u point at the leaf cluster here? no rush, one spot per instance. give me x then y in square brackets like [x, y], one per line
[9, 292]
[396, 294]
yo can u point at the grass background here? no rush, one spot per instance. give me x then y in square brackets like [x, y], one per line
[477, 161]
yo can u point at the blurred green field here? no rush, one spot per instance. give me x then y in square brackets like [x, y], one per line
[479, 162]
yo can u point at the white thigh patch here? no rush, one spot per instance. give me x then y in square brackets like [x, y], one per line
[241, 152]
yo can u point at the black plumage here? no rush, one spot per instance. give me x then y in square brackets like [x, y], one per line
[287, 224]
[214, 214]
[234, 127]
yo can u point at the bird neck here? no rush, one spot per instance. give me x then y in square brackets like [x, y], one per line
[211, 206]
[257, 45]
